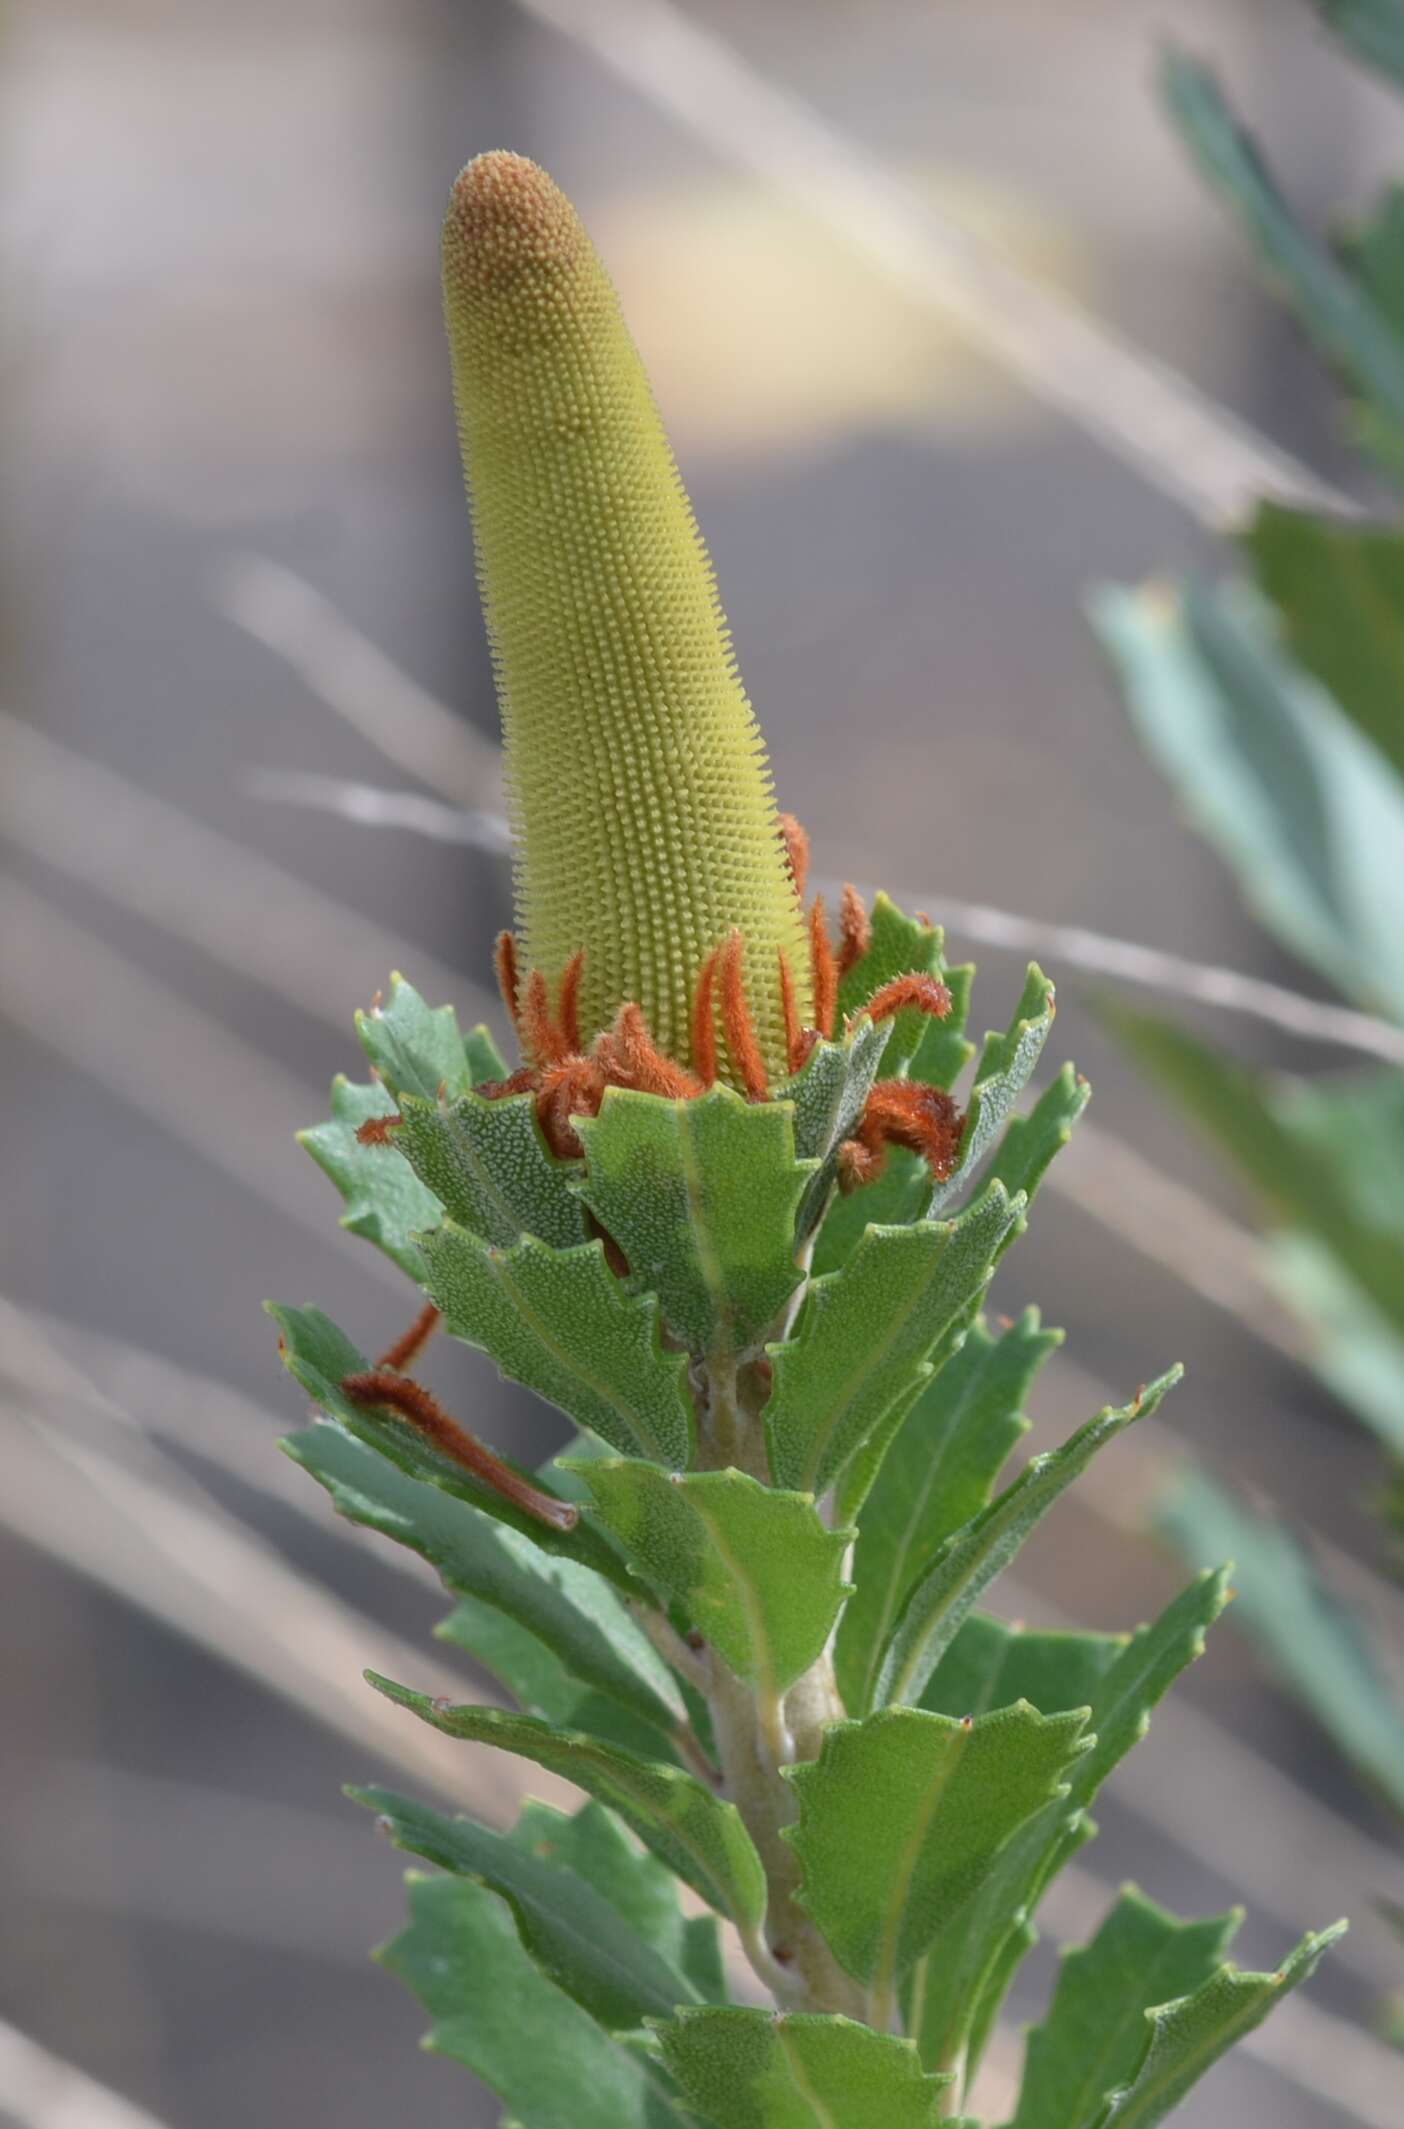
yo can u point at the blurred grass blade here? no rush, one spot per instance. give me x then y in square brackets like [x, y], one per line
[1372, 29]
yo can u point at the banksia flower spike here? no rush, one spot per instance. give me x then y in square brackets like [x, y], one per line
[644, 821]
[744, 1622]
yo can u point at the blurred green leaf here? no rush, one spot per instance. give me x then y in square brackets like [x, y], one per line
[1334, 309]
[702, 1197]
[936, 1475]
[753, 2070]
[319, 1357]
[1094, 2036]
[490, 1168]
[968, 1561]
[1187, 2038]
[694, 1832]
[495, 2013]
[1339, 590]
[901, 1816]
[1353, 1349]
[1373, 30]
[754, 1570]
[559, 1321]
[865, 1335]
[385, 1200]
[576, 1938]
[1272, 774]
[1007, 1064]
[1320, 1647]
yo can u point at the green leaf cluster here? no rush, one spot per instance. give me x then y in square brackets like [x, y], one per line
[758, 1648]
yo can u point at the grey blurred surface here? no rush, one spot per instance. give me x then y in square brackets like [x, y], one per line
[222, 338]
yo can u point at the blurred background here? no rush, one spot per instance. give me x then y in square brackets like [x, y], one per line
[238, 610]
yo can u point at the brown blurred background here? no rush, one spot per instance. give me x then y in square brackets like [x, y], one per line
[232, 497]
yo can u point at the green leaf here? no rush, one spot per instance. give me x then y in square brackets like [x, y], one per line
[495, 2013]
[569, 1608]
[991, 1664]
[1339, 589]
[944, 1051]
[754, 1570]
[1272, 773]
[560, 1322]
[417, 1051]
[1187, 2038]
[385, 1200]
[701, 1196]
[957, 1990]
[576, 1938]
[753, 2070]
[1006, 1066]
[1032, 1143]
[828, 1094]
[900, 946]
[490, 1168]
[936, 1475]
[540, 1683]
[592, 1843]
[865, 1335]
[1372, 29]
[1319, 1646]
[1095, 2032]
[320, 1357]
[1308, 1157]
[898, 1196]
[972, 1556]
[901, 1816]
[485, 1060]
[694, 1832]
[1332, 306]
[1356, 1353]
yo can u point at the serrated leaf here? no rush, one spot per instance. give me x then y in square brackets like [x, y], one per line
[899, 946]
[1339, 589]
[991, 1664]
[385, 1200]
[944, 1049]
[1007, 1064]
[416, 1050]
[901, 1816]
[1320, 1647]
[936, 1475]
[592, 1843]
[540, 1683]
[694, 1832]
[501, 2018]
[485, 1061]
[972, 1556]
[569, 1608]
[865, 1334]
[1032, 1143]
[488, 1165]
[754, 1570]
[1095, 2032]
[319, 1357]
[1334, 309]
[753, 2070]
[828, 1094]
[1187, 2038]
[1373, 30]
[957, 1990]
[576, 1938]
[559, 1321]
[1272, 773]
[897, 1197]
[702, 1197]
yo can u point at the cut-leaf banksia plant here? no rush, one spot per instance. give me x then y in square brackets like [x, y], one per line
[730, 1215]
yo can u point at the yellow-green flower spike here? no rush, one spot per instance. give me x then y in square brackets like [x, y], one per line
[641, 800]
